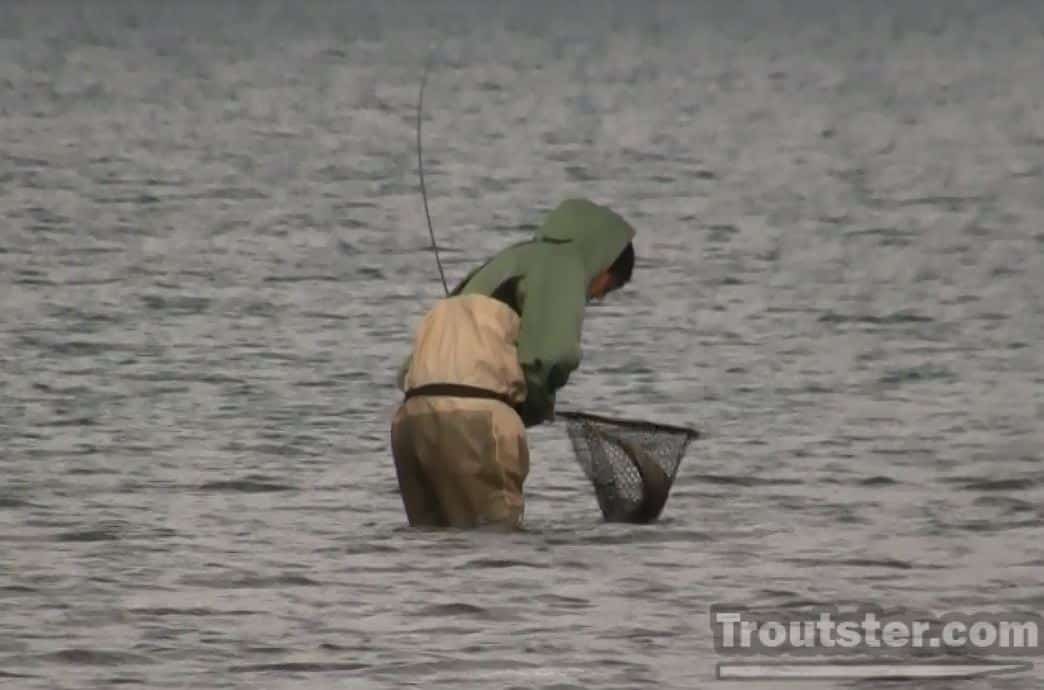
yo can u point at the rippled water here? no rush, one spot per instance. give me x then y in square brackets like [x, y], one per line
[213, 255]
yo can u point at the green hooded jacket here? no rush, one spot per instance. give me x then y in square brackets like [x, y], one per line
[545, 280]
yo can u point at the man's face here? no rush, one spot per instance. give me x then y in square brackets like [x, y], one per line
[601, 286]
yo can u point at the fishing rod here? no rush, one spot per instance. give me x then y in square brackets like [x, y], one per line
[420, 169]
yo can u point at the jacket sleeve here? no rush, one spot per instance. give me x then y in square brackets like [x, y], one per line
[549, 336]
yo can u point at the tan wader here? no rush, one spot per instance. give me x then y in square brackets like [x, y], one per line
[461, 459]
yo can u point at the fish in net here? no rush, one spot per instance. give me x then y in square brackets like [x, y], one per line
[631, 464]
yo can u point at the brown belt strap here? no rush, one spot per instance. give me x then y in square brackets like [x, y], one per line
[457, 390]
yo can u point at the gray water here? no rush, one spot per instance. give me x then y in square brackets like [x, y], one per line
[213, 255]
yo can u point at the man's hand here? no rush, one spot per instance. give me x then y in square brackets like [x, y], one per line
[539, 405]
[531, 416]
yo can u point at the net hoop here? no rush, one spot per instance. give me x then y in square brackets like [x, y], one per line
[691, 433]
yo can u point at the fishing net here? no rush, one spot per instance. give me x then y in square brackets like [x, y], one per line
[631, 464]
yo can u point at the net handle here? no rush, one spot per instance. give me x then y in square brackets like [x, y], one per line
[632, 423]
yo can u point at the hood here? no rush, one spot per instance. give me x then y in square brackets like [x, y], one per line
[598, 233]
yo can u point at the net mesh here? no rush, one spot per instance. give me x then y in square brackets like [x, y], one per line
[631, 464]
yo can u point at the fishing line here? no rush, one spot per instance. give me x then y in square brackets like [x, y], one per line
[420, 169]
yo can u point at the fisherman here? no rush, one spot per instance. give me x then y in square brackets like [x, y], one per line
[488, 360]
